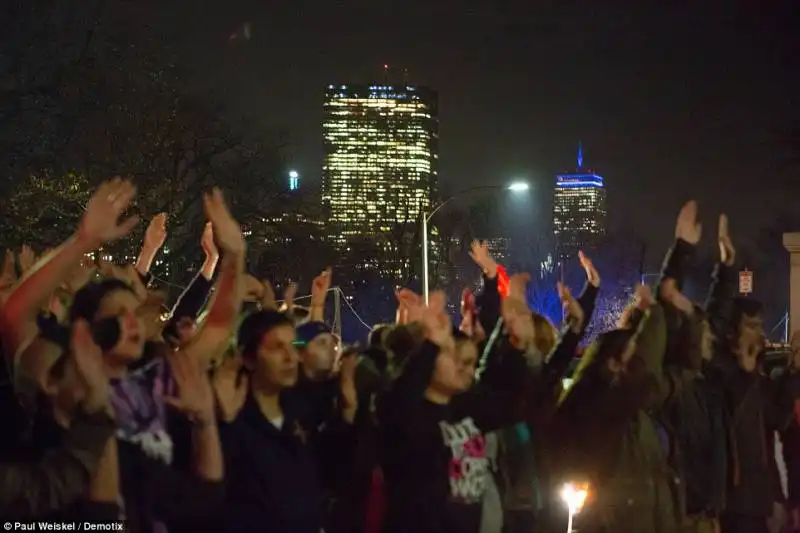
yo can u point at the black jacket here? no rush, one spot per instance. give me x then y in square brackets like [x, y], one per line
[273, 481]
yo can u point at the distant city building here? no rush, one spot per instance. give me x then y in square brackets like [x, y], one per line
[500, 249]
[381, 151]
[272, 230]
[463, 273]
[579, 210]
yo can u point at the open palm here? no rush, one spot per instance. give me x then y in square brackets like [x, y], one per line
[195, 396]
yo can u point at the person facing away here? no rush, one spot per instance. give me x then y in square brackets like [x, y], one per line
[755, 409]
[790, 437]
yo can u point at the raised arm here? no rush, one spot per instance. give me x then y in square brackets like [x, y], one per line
[319, 293]
[218, 327]
[558, 361]
[100, 224]
[719, 305]
[489, 305]
[154, 238]
[398, 405]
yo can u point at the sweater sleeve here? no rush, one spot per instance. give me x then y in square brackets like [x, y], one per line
[489, 311]
[193, 299]
[719, 305]
[651, 346]
[408, 389]
[677, 261]
[587, 300]
[719, 308]
[61, 477]
[498, 400]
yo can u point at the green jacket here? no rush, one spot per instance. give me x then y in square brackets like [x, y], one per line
[616, 446]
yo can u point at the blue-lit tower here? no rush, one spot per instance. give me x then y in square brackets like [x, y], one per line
[579, 209]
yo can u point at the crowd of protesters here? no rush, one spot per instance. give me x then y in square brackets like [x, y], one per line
[225, 412]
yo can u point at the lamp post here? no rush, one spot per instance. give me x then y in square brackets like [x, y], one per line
[515, 187]
[574, 496]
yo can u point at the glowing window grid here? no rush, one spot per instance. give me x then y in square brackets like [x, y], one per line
[579, 210]
[380, 156]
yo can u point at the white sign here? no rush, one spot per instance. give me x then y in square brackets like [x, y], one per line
[745, 282]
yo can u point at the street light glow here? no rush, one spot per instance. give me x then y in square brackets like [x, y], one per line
[518, 186]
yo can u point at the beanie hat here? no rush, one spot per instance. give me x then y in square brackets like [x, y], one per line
[311, 330]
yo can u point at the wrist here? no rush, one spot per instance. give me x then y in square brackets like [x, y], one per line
[95, 406]
[236, 250]
[84, 243]
[148, 252]
[520, 344]
[203, 420]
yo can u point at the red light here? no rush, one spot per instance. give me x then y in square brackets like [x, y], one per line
[503, 283]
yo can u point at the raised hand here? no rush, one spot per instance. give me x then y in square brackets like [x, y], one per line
[479, 252]
[195, 396]
[207, 241]
[320, 287]
[687, 228]
[227, 232]
[435, 321]
[101, 220]
[26, 258]
[643, 297]
[411, 305]
[592, 277]
[727, 253]
[573, 311]
[289, 294]
[88, 358]
[230, 388]
[156, 234]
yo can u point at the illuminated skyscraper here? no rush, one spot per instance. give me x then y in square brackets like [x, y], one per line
[579, 209]
[381, 144]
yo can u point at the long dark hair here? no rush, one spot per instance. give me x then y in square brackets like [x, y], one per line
[595, 412]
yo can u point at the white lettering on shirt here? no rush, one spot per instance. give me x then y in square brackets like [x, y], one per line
[468, 464]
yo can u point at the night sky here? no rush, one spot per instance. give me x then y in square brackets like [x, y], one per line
[689, 99]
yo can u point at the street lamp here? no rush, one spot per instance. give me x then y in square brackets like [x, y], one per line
[515, 187]
[574, 496]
